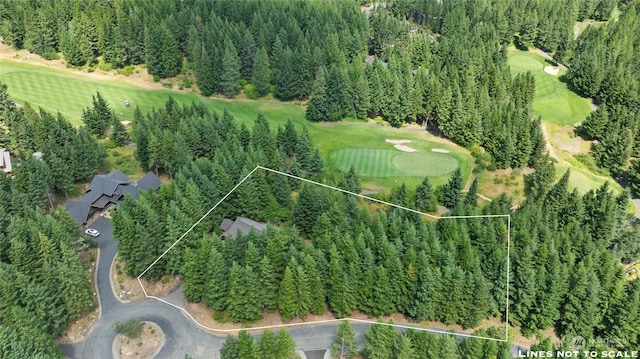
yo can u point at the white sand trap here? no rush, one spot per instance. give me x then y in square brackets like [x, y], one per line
[397, 142]
[405, 148]
[552, 70]
[439, 150]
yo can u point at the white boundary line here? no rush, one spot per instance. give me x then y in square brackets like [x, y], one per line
[508, 216]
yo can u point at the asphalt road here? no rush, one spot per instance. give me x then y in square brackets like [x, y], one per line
[182, 335]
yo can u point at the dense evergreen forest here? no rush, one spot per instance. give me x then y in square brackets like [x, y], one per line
[42, 285]
[445, 67]
[566, 247]
[439, 63]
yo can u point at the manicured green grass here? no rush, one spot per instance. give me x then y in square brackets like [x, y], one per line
[69, 92]
[393, 163]
[554, 102]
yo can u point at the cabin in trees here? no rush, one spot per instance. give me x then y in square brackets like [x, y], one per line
[106, 191]
[5, 161]
[243, 225]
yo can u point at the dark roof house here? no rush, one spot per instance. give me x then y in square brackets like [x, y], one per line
[106, 190]
[243, 225]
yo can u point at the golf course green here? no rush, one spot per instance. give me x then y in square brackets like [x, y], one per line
[554, 101]
[388, 163]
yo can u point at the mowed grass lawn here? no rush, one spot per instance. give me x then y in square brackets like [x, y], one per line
[554, 102]
[64, 91]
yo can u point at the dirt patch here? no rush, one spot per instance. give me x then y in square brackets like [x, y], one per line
[405, 148]
[79, 328]
[397, 142]
[552, 70]
[145, 346]
[439, 150]
[127, 289]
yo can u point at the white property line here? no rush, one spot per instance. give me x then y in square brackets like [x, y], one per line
[508, 216]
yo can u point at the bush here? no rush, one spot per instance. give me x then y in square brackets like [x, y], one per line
[251, 92]
[156, 78]
[130, 328]
[127, 70]
[167, 84]
[104, 66]
[186, 82]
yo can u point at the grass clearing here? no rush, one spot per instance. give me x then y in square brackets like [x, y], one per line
[560, 109]
[554, 101]
[68, 92]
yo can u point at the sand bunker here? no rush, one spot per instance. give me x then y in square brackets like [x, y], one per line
[439, 150]
[397, 142]
[405, 148]
[552, 70]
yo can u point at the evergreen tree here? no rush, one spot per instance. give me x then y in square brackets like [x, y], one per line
[230, 348]
[319, 106]
[452, 191]
[345, 346]
[119, 135]
[425, 197]
[268, 345]
[231, 66]
[261, 78]
[287, 297]
[286, 345]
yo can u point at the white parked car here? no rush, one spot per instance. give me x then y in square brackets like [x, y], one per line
[91, 232]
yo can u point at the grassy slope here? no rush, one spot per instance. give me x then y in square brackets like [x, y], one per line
[554, 102]
[560, 109]
[68, 92]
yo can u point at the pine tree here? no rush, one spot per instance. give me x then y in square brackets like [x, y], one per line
[230, 348]
[287, 297]
[261, 78]
[425, 197]
[318, 297]
[268, 345]
[452, 191]
[345, 345]
[269, 284]
[230, 76]
[319, 106]
[119, 135]
[470, 198]
[246, 347]
[286, 345]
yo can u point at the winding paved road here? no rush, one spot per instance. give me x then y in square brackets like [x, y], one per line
[182, 335]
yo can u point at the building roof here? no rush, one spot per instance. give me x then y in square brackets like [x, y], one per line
[149, 181]
[242, 225]
[79, 210]
[109, 189]
[5, 160]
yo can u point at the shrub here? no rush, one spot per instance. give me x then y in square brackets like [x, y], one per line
[127, 70]
[167, 84]
[186, 82]
[104, 66]
[156, 78]
[251, 92]
[130, 328]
